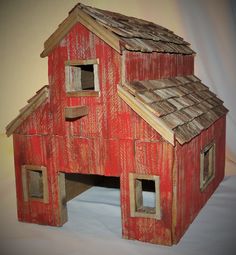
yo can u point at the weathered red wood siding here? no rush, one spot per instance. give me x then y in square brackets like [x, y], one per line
[101, 121]
[36, 150]
[152, 158]
[151, 66]
[37, 123]
[189, 197]
[90, 144]
[151, 154]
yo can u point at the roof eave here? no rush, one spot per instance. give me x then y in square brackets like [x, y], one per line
[34, 103]
[150, 118]
[78, 15]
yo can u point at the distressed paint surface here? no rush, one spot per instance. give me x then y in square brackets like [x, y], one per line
[152, 66]
[154, 158]
[36, 150]
[37, 122]
[190, 199]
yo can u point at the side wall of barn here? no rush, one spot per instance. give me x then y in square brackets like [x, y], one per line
[33, 148]
[188, 197]
[155, 159]
[152, 155]
[33, 153]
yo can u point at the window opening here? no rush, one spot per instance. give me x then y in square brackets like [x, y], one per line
[144, 196]
[207, 171]
[34, 181]
[81, 75]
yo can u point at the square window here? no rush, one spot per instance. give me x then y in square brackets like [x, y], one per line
[81, 75]
[207, 171]
[144, 196]
[34, 181]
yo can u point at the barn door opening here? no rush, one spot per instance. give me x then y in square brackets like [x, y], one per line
[92, 203]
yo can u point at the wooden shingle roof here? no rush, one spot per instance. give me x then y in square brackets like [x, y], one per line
[181, 106]
[120, 32]
[137, 34]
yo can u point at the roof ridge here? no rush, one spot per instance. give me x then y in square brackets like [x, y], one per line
[120, 31]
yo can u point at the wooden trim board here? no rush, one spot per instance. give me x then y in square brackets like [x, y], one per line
[78, 62]
[211, 167]
[25, 112]
[73, 112]
[77, 15]
[149, 117]
[62, 199]
[83, 93]
[59, 34]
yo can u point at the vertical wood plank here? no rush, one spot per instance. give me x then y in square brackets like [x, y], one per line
[62, 199]
[190, 198]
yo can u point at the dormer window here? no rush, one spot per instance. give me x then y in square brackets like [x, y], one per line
[81, 77]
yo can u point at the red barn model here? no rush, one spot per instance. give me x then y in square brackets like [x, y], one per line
[122, 102]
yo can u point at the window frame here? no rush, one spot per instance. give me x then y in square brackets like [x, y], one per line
[81, 92]
[211, 148]
[25, 183]
[133, 195]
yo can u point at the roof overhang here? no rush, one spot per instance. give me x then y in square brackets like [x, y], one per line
[120, 32]
[34, 103]
[77, 15]
[149, 117]
[178, 108]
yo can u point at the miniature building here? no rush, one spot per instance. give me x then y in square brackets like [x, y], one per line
[122, 101]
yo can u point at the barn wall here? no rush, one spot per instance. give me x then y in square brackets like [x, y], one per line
[36, 150]
[152, 158]
[189, 197]
[151, 66]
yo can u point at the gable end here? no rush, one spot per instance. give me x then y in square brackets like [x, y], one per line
[75, 16]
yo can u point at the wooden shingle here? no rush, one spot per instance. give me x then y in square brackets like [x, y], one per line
[120, 32]
[184, 104]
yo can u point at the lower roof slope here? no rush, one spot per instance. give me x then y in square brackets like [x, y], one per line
[183, 105]
[33, 103]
